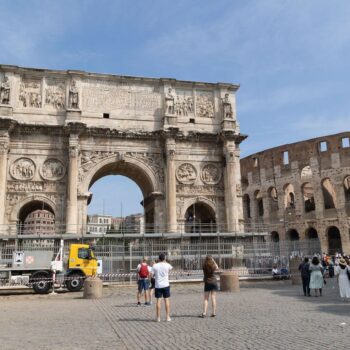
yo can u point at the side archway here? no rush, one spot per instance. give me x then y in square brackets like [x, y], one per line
[334, 240]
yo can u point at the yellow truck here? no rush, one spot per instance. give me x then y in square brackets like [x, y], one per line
[40, 269]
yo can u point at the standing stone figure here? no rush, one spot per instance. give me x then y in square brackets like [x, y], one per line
[73, 96]
[227, 107]
[169, 102]
[5, 92]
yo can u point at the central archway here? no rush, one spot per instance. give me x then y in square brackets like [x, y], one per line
[138, 172]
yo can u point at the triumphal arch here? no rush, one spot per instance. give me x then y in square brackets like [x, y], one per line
[60, 131]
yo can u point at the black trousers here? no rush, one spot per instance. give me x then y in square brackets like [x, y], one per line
[306, 285]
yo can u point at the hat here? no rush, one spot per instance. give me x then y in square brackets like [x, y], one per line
[342, 261]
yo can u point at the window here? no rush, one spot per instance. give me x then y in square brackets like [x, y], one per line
[323, 146]
[256, 162]
[83, 253]
[345, 142]
[192, 120]
[285, 158]
[106, 115]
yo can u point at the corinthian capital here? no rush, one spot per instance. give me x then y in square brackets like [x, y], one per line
[4, 147]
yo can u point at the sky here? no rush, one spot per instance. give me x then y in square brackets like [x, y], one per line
[290, 58]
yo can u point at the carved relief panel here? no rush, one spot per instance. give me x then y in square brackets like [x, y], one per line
[184, 105]
[186, 173]
[30, 93]
[52, 169]
[205, 104]
[211, 174]
[22, 169]
[55, 94]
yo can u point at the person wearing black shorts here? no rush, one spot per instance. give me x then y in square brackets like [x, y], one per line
[162, 286]
[210, 285]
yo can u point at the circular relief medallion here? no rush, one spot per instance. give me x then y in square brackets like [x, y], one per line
[211, 174]
[22, 169]
[52, 169]
[186, 173]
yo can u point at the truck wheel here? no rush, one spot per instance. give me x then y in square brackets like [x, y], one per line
[75, 282]
[42, 282]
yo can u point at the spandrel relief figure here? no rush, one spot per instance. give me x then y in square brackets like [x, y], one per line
[227, 107]
[73, 96]
[169, 102]
[5, 91]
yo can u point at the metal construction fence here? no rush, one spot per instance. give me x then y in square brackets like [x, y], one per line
[119, 255]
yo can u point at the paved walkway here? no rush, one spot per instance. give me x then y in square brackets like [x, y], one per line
[269, 315]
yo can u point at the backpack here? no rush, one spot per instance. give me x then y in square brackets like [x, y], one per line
[143, 273]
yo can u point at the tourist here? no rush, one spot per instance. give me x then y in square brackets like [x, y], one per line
[162, 285]
[143, 273]
[343, 280]
[304, 269]
[153, 282]
[316, 277]
[275, 273]
[210, 285]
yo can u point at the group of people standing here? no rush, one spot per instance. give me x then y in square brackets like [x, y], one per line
[313, 273]
[156, 277]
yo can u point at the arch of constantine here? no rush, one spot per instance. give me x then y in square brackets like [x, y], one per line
[61, 131]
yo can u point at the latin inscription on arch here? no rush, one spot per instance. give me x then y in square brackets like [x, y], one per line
[107, 96]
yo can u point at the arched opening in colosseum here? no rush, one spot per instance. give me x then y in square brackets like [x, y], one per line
[308, 196]
[334, 240]
[289, 197]
[259, 204]
[347, 191]
[292, 238]
[329, 196]
[312, 241]
[273, 199]
[36, 217]
[275, 237]
[275, 240]
[246, 206]
[200, 217]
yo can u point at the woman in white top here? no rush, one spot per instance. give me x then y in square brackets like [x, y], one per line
[343, 279]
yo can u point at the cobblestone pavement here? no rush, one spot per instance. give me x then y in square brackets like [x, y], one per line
[269, 315]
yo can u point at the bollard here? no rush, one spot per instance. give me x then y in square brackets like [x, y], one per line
[293, 270]
[92, 288]
[229, 282]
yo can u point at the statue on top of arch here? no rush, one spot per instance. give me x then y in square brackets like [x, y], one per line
[227, 107]
[5, 91]
[73, 96]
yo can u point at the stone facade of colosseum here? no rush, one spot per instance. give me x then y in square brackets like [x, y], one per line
[301, 192]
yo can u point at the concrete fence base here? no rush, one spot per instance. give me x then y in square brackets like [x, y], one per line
[229, 282]
[92, 288]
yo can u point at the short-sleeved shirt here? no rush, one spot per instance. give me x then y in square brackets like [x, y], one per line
[161, 274]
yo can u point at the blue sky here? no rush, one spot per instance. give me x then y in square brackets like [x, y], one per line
[290, 57]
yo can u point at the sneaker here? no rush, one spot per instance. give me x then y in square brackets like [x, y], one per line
[168, 319]
[138, 304]
[158, 320]
[147, 304]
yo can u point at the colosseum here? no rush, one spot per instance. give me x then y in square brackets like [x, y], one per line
[301, 193]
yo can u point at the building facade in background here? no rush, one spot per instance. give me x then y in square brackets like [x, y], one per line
[301, 192]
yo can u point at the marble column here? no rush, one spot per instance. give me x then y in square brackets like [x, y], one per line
[4, 145]
[72, 195]
[230, 186]
[170, 148]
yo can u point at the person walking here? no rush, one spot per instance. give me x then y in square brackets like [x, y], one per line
[316, 277]
[304, 269]
[143, 273]
[162, 286]
[342, 272]
[210, 285]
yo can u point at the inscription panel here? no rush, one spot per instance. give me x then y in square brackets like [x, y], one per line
[102, 96]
